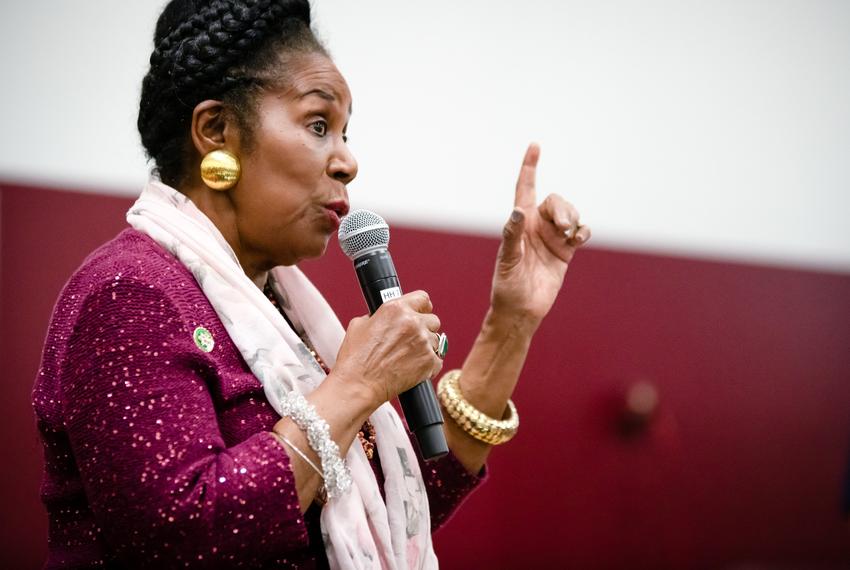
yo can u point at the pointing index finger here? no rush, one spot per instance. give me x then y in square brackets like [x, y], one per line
[525, 196]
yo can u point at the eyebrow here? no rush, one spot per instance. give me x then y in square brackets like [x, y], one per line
[324, 95]
[320, 92]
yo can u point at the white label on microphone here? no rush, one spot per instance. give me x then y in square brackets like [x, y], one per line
[391, 293]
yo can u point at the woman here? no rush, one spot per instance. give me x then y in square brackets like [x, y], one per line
[199, 403]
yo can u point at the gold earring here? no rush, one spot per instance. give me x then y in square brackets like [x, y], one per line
[220, 170]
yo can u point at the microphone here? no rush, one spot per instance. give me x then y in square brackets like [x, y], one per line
[364, 237]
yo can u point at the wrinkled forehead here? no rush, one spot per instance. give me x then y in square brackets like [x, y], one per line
[316, 75]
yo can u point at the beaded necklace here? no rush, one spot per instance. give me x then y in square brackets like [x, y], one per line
[366, 435]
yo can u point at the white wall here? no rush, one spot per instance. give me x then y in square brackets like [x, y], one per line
[712, 128]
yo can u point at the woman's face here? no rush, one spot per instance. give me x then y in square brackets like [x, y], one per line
[292, 191]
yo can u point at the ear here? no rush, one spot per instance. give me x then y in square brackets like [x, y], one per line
[212, 128]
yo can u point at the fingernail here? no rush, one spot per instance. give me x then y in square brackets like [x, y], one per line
[517, 216]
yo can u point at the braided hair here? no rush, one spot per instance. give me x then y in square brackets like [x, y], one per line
[215, 49]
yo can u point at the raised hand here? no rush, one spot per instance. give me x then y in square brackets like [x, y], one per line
[538, 243]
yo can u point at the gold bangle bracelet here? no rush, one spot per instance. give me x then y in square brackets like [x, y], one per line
[472, 420]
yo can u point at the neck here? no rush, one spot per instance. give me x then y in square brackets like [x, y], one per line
[218, 207]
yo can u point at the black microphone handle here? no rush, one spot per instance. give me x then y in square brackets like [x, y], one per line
[379, 282]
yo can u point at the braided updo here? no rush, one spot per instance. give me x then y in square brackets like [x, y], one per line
[215, 49]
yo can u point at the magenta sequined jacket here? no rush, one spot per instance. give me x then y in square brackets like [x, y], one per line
[157, 454]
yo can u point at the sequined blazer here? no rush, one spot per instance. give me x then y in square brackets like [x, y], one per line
[158, 454]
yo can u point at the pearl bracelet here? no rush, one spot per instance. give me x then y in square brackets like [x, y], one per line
[336, 474]
[472, 420]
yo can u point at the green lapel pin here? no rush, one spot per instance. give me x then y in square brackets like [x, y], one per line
[203, 339]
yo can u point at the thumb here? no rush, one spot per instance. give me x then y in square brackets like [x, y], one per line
[512, 242]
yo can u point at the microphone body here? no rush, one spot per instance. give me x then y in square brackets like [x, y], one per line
[379, 282]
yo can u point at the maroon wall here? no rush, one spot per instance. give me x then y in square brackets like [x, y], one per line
[742, 463]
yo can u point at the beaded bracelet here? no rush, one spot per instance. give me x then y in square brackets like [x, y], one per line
[336, 474]
[472, 420]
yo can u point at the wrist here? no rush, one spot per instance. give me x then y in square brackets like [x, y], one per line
[349, 391]
[510, 321]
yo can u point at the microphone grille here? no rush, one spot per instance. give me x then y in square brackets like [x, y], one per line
[362, 230]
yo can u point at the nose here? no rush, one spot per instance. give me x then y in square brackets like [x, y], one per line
[343, 165]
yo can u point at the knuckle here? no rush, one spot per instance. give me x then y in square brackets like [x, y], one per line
[424, 296]
[394, 308]
[409, 322]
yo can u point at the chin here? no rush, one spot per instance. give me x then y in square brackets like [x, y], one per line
[320, 252]
[307, 253]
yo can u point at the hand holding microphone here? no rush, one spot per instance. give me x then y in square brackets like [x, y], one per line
[393, 350]
[401, 335]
